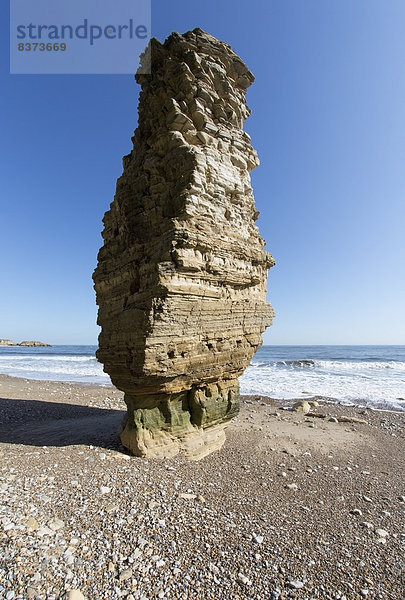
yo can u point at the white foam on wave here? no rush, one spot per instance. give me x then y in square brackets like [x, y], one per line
[52, 358]
[83, 369]
[378, 384]
[332, 365]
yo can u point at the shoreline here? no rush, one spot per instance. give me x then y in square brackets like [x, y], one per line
[282, 401]
[292, 506]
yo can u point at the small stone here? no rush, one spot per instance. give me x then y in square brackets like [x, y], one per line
[74, 595]
[104, 489]
[367, 525]
[56, 524]
[292, 486]
[367, 499]
[32, 524]
[200, 498]
[333, 420]
[357, 512]
[302, 406]
[381, 533]
[344, 419]
[103, 456]
[297, 585]
[364, 592]
[43, 530]
[188, 496]
[258, 539]
[126, 574]
[243, 579]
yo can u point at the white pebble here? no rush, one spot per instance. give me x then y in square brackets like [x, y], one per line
[297, 585]
[243, 579]
[126, 574]
[56, 524]
[74, 595]
[381, 533]
[258, 539]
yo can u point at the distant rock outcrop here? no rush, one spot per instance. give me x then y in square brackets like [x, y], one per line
[7, 343]
[181, 278]
[34, 344]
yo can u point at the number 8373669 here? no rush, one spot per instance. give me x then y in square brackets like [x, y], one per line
[41, 47]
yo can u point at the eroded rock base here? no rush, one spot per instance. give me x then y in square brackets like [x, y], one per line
[190, 422]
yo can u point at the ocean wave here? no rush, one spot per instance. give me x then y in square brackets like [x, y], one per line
[331, 365]
[65, 369]
[46, 357]
[384, 387]
[303, 363]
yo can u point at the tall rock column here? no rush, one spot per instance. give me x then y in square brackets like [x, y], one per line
[181, 277]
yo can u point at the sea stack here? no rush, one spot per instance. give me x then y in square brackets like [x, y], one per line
[181, 277]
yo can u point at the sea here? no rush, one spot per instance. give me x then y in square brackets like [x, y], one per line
[372, 376]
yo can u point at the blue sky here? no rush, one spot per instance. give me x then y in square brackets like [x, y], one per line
[328, 121]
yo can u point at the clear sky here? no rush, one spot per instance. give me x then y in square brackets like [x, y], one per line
[328, 121]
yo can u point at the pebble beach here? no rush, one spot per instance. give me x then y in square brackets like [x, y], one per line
[294, 505]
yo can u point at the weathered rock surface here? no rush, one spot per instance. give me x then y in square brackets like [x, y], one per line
[181, 278]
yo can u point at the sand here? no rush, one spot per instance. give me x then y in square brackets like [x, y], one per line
[291, 507]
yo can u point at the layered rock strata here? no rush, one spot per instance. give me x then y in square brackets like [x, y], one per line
[181, 277]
